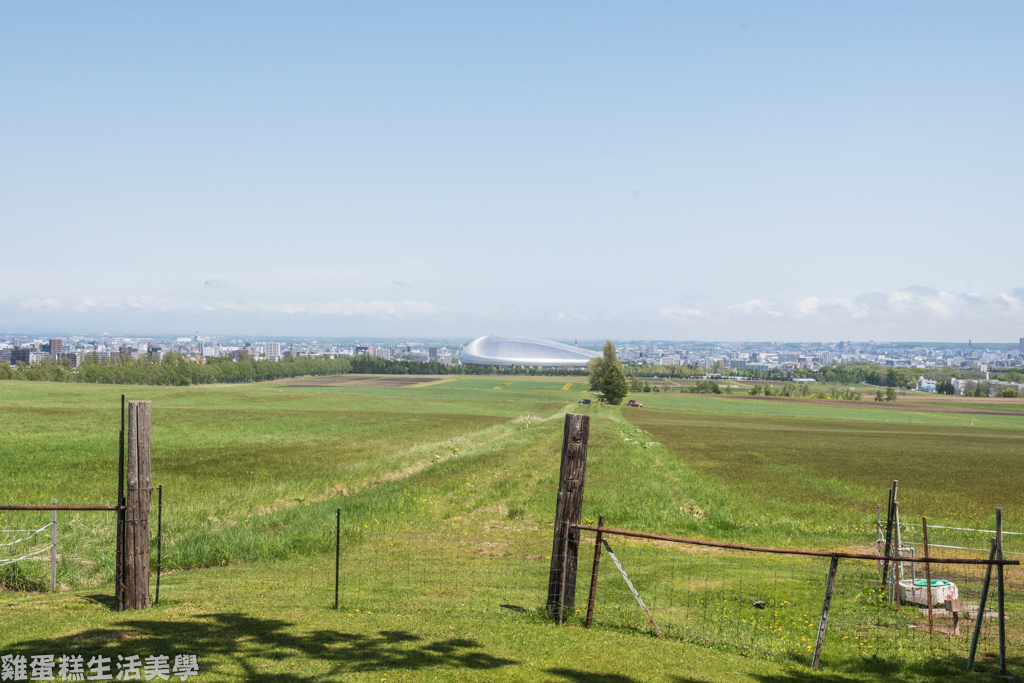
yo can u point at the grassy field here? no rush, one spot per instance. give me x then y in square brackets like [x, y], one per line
[449, 469]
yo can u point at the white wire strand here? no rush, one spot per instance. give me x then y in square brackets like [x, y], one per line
[980, 550]
[980, 531]
[18, 559]
[42, 528]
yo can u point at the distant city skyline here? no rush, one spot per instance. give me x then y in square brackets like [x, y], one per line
[674, 170]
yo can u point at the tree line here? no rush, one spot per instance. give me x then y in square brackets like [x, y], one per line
[176, 370]
[846, 373]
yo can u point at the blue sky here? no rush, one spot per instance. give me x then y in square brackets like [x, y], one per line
[664, 170]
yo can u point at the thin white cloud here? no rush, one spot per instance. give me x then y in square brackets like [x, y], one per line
[679, 314]
[953, 305]
[755, 307]
[905, 313]
[153, 304]
[814, 305]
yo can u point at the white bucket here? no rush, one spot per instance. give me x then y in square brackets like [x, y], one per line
[916, 592]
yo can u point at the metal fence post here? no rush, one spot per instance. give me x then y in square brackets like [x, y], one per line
[561, 583]
[823, 624]
[159, 538]
[981, 608]
[888, 537]
[927, 575]
[337, 556]
[593, 572]
[1002, 611]
[53, 549]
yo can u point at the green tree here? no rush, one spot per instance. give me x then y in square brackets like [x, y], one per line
[598, 367]
[890, 394]
[613, 384]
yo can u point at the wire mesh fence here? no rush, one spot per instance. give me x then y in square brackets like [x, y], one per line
[771, 606]
[397, 567]
[762, 605]
[84, 549]
[394, 569]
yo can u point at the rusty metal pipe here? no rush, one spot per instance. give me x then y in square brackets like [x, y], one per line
[60, 507]
[791, 551]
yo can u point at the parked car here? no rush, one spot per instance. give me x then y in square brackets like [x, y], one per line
[634, 404]
[584, 401]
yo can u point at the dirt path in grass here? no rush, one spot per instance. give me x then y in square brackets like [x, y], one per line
[427, 456]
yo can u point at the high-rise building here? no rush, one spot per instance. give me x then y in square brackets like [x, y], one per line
[273, 351]
[22, 354]
[56, 347]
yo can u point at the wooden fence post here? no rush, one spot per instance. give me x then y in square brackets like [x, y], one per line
[568, 509]
[119, 559]
[136, 533]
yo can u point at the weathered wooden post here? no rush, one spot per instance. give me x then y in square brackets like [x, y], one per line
[568, 509]
[119, 560]
[136, 532]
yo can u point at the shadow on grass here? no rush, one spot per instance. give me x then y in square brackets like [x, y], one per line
[252, 644]
[591, 677]
[872, 669]
[108, 601]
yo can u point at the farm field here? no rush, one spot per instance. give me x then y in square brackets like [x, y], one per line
[447, 496]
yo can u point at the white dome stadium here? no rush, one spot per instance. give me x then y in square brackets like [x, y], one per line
[494, 350]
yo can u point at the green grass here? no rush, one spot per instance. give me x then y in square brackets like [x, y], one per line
[838, 470]
[253, 475]
[1017, 407]
[842, 410]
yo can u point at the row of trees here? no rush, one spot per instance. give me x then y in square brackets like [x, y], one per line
[804, 390]
[867, 373]
[859, 372]
[636, 386]
[173, 370]
[176, 370]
